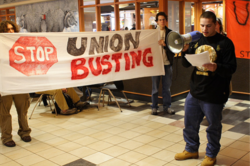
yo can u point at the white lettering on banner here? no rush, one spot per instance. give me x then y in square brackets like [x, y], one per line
[31, 49]
[46, 61]
[40, 53]
[20, 54]
[48, 50]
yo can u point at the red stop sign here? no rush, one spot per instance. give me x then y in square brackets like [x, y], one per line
[33, 55]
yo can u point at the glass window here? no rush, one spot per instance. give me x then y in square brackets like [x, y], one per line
[173, 15]
[127, 16]
[123, 0]
[11, 11]
[107, 18]
[2, 18]
[189, 24]
[2, 12]
[90, 19]
[106, 1]
[88, 2]
[217, 8]
[11, 18]
[148, 16]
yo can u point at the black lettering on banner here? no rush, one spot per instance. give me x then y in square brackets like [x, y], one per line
[94, 44]
[129, 37]
[112, 43]
[106, 43]
[242, 53]
[71, 47]
[248, 53]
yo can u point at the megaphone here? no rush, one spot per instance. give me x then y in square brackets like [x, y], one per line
[176, 42]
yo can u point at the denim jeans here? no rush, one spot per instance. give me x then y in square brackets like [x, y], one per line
[166, 83]
[195, 110]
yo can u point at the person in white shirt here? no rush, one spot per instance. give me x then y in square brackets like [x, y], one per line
[168, 56]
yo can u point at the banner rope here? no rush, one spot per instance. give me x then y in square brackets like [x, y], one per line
[237, 16]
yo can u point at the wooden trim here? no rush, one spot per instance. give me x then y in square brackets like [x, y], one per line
[143, 94]
[163, 7]
[224, 16]
[135, 93]
[208, 0]
[182, 17]
[117, 16]
[98, 16]
[137, 15]
[177, 94]
[197, 13]
[81, 16]
[244, 93]
[8, 15]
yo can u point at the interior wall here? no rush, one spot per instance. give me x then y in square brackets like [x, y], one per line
[182, 76]
[180, 82]
[54, 16]
[241, 78]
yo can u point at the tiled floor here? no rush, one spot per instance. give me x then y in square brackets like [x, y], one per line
[132, 138]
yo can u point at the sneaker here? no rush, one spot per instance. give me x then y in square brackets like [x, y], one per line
[208, 161]
[154, 111]
[186, 155]
[169, 111]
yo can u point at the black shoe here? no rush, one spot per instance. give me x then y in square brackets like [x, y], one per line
[10, 144]
[26, 138]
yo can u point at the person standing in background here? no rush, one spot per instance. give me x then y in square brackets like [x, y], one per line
[168, 56]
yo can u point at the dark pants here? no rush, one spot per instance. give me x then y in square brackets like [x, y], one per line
[195, 110]
[166, 84]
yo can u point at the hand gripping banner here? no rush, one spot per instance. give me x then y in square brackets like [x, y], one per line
[44, 61]
[238, 26]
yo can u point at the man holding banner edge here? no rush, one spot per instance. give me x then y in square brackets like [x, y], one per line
[21, 101]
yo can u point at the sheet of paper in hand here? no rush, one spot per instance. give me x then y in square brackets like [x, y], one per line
[198, 59]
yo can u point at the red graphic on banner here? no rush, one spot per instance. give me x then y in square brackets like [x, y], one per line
[33, 55]
[104, 67]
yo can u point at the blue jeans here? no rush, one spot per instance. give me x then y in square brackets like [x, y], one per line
[166, 83]
[195, 110]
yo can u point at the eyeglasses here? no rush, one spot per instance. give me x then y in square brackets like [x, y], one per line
[162, 20]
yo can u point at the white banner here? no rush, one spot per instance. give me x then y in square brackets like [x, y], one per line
[33, 62]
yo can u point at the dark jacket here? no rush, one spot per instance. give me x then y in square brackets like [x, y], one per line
[170, 54]
[213, 88]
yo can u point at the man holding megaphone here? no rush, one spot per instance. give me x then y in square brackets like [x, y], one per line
[168, 56]
[209, 89]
